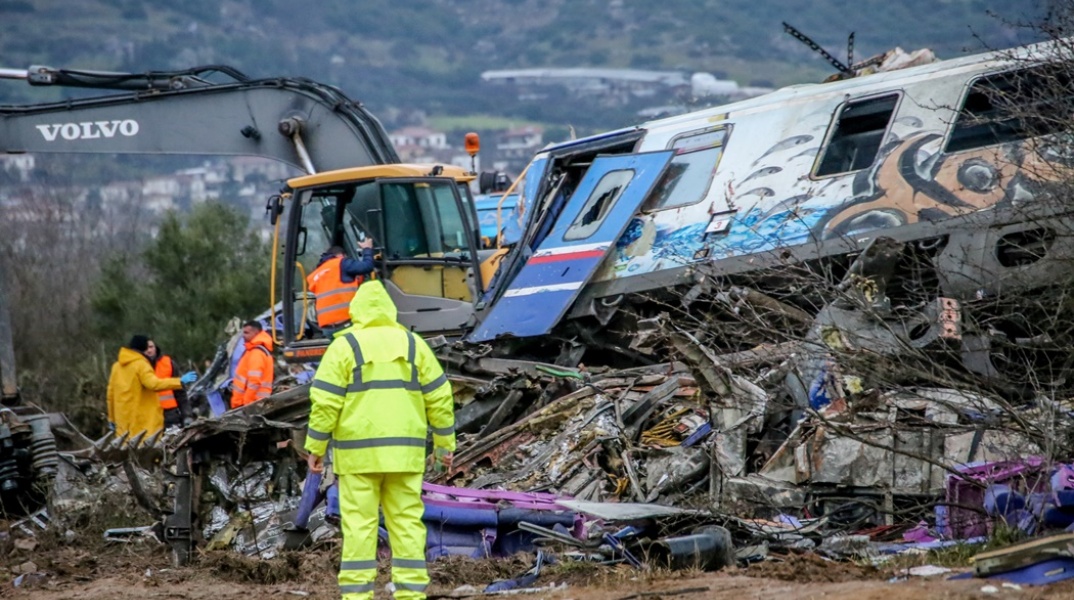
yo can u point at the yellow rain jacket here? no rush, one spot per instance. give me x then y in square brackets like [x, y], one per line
[132, 394]
[377, 392]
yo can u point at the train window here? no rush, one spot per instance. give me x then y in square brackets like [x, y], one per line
[859, 130]
[600, 202]
[689, 174]
[1013, 106]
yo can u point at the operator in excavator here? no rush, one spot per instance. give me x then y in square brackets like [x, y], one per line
[334, 282]
[378, 391]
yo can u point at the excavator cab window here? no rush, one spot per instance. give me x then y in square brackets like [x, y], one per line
[423, 220]
[423, 235]
[317, 231]
[320, 227]
[407, 233]
[362, 216]
[428, 239]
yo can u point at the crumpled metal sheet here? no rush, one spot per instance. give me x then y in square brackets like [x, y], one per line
[989, 445]
[942, 406]
[671, 468]
[251, 483]
[264, 536]
[741, 495]
[216, 520]
[888, 457]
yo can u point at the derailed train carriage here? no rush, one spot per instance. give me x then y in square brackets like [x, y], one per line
[943, 185]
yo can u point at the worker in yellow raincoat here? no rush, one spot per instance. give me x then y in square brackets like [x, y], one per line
[133, 406]
[377, 392]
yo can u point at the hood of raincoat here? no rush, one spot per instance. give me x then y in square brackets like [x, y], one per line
[373, 307]
[261, 339]
[127, 356]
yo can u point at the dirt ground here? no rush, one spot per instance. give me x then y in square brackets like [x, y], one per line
[138, 572]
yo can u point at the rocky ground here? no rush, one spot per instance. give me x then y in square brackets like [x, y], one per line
[93, 571]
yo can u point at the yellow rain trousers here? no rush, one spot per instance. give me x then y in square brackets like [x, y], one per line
[377, 393]
[400, 496]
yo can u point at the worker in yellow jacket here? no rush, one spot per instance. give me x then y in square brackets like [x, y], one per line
[133, 406]
[377, 392]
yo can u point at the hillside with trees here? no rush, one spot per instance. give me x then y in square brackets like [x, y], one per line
[427, 55]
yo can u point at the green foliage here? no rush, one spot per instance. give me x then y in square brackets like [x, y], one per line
[201, 270]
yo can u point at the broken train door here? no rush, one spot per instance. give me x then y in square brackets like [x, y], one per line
[595, 216]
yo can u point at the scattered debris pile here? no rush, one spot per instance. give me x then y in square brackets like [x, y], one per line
[635, 465]
[837, 439]
[714, 441]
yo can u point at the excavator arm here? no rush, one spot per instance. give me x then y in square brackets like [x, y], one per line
[310, 125]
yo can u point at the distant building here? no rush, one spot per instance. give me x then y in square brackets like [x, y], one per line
[119, 192]
[617, 86]
[420, 137]
[586, 82]
[519, 143]
[22, 164]
[160, 193]
[246, 168]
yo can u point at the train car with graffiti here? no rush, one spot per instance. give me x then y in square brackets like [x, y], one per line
[953, 157]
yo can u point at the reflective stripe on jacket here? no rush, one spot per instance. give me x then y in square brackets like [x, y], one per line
[255, 372]
[332, 295]
[163, 370]
[377, 393]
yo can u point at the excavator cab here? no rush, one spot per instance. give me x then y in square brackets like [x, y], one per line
[426, 243]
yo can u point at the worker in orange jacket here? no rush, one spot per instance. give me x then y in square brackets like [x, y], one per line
[172, 402]
[254, 373]
[334, 282]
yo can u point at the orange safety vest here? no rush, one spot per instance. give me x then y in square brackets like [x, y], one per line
[255, 373]
[333, 295]
[163, 370]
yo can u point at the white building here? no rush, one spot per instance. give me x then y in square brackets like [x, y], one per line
[422, 137]
[520, 143]
[23, 164]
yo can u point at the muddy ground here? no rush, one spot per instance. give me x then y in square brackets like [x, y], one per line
[97, 572]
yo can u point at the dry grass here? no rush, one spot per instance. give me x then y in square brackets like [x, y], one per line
[453, 571]
[229, 566]
[807, 566]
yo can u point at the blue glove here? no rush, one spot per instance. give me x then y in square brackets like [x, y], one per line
[188, 378]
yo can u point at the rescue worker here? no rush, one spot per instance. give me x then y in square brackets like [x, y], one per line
[334, 282]
[255, 372]
[377, 391]
[172, 402]
[133, 406]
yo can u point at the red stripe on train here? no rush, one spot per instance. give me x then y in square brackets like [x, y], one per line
[547, 258]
